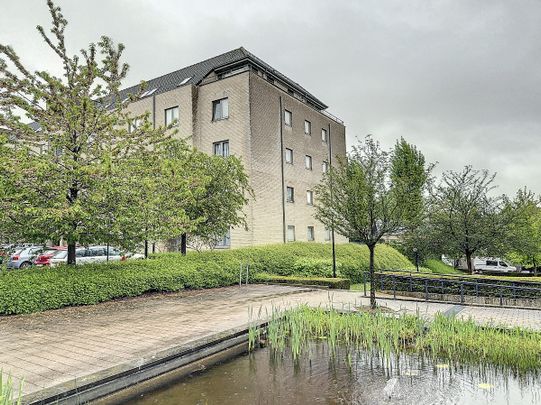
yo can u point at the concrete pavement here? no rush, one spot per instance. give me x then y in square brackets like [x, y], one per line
[64, 346]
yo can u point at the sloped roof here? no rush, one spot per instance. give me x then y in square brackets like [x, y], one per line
[194, 74]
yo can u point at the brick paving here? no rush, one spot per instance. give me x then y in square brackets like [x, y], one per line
[54, 347]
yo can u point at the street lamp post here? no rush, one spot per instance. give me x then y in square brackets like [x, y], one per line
[416, 251]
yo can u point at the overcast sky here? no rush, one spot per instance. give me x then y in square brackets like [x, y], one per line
[460, 79]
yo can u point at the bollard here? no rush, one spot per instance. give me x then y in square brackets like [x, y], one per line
[240, 276]
[364, 283]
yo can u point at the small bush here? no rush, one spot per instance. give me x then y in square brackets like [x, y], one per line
[39, 289]
[333, 283]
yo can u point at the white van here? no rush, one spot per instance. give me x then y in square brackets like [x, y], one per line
[492, 265]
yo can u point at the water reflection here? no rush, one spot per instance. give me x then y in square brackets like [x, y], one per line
[346, 377]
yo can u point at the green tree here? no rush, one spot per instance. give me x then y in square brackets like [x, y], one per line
[79, 171]
[525, 229]
[364, 197]
[465, 217]
[220, 206]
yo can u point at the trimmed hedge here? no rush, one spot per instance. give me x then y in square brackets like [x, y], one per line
[332, 283]
[39, 289]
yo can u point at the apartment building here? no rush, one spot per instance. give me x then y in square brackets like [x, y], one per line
[236, 104]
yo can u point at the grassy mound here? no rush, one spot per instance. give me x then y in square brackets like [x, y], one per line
[439, 267]
[39, 289]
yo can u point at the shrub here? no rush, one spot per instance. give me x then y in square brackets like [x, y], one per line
[39, 289]
[333, 283]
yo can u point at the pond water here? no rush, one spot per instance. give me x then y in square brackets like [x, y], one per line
[346, 378]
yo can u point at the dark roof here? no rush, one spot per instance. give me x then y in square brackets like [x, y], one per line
[197, 72]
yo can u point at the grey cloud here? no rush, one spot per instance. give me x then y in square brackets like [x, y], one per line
[461, 79]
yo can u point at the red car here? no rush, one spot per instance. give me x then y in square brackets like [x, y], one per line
[44, 259]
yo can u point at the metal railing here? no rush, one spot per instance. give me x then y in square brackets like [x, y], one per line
[458, 290]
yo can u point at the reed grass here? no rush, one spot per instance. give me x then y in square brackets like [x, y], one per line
[7, 394]
[445, 338]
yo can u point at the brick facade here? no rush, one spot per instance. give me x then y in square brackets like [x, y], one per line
[258, 135]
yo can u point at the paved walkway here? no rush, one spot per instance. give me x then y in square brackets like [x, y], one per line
[55, 347]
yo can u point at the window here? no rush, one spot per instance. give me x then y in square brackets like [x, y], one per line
[325, 166]
[290, 195]
[136, 123]
[309, 197]
[503, 264]
[289, 156]
[492, 263]
[308, 162]
[291, 233]
[307, 127]
[221, 148]
[220, 109]
[185, 81]
[310, 233]
[171, 115]
[288, 118]
[324, 136]
[327, 234]
[225, 241]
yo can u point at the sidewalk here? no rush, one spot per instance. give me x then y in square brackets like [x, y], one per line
[54, 347]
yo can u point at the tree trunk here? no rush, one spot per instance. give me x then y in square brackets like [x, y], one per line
[146, 249]
[72, 258]
[183, 244]
[468, 260]
[534, 267]
[371, 248]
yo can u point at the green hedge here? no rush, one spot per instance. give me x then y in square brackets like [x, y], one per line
[39, 289]
[333, 283]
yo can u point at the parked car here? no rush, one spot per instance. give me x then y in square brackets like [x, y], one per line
[91, 254]
[24, 257]
[44, 258]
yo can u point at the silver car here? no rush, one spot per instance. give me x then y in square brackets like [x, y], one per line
[24, 257]
[92, 254]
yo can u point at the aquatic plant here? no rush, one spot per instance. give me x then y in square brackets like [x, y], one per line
[7, 395]
[387, 335]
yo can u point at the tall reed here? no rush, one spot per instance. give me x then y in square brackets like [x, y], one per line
[446, 338]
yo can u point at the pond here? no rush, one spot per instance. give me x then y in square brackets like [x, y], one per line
[345, 376]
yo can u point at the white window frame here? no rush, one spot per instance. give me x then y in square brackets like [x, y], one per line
[324, 135]
[324, 166]
[170, 121]
[289, 152]
[225, 241]
[308, 162]
[310, 233]
[223, 151]
[288, 199]
[291, 233]
[218, 107]
[309, 197]
[288, 122]
[307, 127]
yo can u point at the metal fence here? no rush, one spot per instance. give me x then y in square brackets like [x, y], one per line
[460, 290]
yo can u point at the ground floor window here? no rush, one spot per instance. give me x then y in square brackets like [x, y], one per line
[291, 233]
[225, 241]
[310, 233]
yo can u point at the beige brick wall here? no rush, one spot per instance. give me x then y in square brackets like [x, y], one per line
[253, 132]
[235, 129]
[265, 119]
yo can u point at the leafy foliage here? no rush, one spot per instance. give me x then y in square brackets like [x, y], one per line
[330, 282]
[526, 229]
[372, 194]
[464, 217]
[87, 171]
[39, 289]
